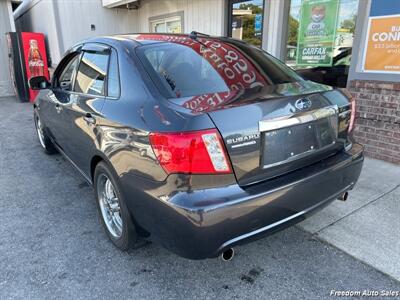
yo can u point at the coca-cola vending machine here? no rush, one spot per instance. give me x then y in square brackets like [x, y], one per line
[27, 59]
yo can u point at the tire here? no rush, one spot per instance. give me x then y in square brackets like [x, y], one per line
[44, 140]
[122, 235]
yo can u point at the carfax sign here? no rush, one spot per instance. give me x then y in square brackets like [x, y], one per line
[382, 54]
[317, 32]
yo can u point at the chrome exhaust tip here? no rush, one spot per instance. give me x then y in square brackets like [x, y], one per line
[228, 254]
[344, 196]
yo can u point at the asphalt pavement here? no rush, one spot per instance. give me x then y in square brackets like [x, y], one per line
[53, 247]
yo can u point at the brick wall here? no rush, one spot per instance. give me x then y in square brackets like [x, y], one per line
[378, 118]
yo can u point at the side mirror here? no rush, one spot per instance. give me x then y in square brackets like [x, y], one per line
[39, 83]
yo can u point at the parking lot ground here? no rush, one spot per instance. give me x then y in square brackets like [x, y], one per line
[53, 247]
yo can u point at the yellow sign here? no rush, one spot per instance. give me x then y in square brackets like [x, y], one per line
[383, 45]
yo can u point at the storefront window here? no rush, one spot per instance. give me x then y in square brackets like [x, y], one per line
[320, 37]
[346, 20]
[167, 25]
[246, 20]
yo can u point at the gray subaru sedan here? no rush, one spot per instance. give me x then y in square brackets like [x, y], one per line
[202, 142]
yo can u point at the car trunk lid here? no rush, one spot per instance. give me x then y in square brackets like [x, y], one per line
[276, 129]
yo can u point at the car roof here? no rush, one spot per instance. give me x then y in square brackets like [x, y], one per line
[132, 40]
[144, 38]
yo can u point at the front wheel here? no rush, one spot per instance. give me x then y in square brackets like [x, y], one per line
[114, 213]
[44, 140]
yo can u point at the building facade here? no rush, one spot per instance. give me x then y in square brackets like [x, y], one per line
[353, 43]
[6, 25]
[68, 22]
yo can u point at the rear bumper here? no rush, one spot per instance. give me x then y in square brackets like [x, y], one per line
[202, 223]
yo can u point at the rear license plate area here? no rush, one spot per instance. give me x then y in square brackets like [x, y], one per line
[290, 143]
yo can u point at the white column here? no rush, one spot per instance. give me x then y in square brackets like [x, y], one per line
[10, 15]
[276, 19]
[6, 25]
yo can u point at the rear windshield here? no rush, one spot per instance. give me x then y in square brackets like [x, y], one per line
[189, 68]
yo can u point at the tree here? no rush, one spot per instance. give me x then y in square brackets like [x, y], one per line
[254, 8]
[349, 24]
[248, 21]
[293, 31]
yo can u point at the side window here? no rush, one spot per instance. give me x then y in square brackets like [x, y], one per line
[91, 76]
[66, 75]
[113, 76]
[155, 57]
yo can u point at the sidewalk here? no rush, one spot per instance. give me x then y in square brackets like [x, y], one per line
[367, 225]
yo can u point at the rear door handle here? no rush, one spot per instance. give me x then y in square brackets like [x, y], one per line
[58, 108]
[89, 119]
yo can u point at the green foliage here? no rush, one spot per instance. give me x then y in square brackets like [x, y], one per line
[293, 31]
[248, 22]
[349, 24]
[254, 8]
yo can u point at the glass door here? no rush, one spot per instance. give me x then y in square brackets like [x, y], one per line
[320, 39]
[246, 20]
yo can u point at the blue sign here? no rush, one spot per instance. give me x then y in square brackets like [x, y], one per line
[258, 23]
[384, 8]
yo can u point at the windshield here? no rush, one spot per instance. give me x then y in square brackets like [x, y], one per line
[184, 67]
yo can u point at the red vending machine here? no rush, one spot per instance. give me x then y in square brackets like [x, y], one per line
[27, 59]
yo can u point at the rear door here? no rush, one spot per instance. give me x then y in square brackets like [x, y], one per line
[85, 105]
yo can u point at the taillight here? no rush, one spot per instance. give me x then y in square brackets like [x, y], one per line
[352, 107]
[194, 152]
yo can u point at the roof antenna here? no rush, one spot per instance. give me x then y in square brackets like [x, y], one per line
[194, 35]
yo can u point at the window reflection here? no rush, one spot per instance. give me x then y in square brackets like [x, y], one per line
[184, 72]
[113, 76]
[192, 67]
[65, 79]
[91, 74]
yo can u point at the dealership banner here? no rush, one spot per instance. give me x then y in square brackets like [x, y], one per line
[317, 30]
[382, 51]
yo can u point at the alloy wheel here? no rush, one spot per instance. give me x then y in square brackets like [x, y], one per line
[109, 206]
